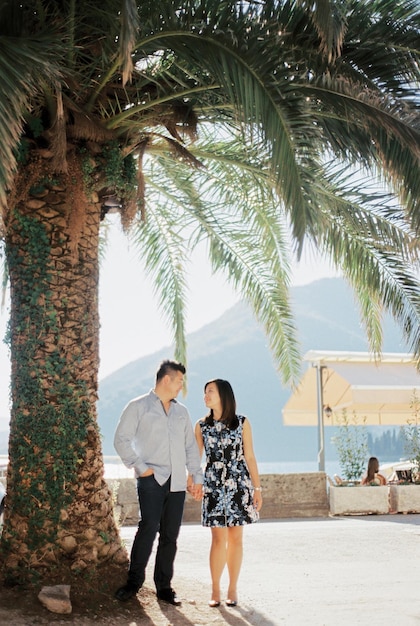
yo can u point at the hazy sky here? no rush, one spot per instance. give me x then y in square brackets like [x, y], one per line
[131, 325]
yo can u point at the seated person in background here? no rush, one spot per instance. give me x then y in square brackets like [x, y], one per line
[373, 477]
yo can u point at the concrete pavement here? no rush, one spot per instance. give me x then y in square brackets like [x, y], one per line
[345, 571]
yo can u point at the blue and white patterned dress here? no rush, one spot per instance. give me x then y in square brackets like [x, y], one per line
[227, 493]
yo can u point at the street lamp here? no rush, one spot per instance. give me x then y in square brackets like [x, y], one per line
[321, 410]
[328, 411]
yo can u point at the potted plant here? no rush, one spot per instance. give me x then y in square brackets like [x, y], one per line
[351, 442]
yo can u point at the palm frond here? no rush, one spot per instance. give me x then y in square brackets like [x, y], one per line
[330, 23]
[162, 247]
[128, 35]
[244, 233]
[362, 230]
[25, 65]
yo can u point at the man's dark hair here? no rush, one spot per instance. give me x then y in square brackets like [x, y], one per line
[167, 367]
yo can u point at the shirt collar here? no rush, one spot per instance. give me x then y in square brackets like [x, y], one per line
[156, 397]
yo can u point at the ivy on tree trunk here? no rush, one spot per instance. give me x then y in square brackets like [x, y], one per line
[61, 510]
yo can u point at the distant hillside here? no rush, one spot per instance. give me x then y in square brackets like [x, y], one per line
[234, 347]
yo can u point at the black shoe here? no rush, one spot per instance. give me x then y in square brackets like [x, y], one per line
[168, 595]
[126, 593]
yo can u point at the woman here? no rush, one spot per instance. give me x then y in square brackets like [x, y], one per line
[373, 477]
[232, 490]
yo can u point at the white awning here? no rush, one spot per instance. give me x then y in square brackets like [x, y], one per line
[382, 393]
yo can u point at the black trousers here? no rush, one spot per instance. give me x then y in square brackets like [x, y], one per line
[161, 511]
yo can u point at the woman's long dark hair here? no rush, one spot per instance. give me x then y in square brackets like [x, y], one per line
[372, 468]
[227, 399]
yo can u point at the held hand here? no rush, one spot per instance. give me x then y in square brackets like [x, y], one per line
[196, 491]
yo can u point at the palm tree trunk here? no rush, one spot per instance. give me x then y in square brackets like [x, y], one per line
[61, 511]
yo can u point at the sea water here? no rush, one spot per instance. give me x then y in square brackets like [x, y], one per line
[115, 469]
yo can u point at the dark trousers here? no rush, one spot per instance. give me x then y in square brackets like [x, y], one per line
[160, 511]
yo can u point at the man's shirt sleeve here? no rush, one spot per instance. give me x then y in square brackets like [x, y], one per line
[125, 437]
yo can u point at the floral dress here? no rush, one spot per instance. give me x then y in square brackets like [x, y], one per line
[227, 493]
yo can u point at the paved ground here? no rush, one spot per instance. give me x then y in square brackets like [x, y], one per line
[345, 571]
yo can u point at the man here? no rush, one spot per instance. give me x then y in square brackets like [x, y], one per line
[155, 437]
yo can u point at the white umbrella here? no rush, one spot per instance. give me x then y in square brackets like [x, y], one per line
[377, 392]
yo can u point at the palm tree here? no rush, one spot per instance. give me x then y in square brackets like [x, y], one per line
[261, 128]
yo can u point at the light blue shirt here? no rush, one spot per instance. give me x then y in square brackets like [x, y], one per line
[148, 437]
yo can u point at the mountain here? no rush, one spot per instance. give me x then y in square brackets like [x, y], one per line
[234, 347]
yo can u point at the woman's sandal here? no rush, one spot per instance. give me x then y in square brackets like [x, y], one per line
[231, 603]
[214, 604]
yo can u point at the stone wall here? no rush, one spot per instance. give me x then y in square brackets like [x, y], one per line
[285, 495]
[126, 507]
